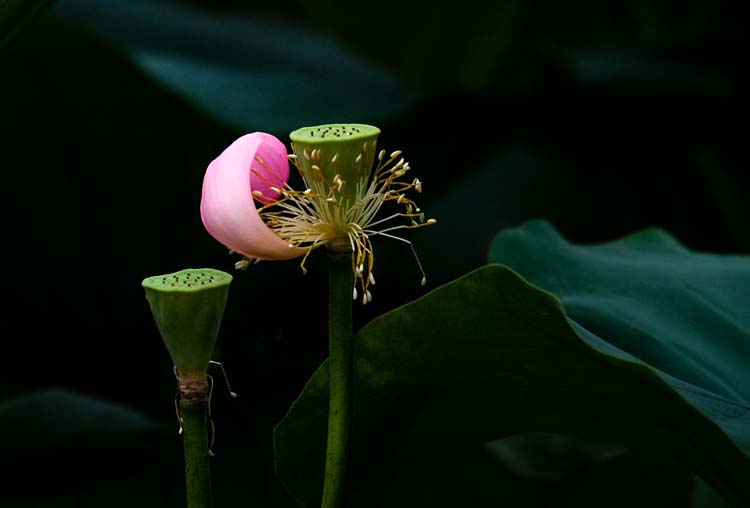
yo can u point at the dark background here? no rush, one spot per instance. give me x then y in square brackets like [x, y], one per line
[602, 117]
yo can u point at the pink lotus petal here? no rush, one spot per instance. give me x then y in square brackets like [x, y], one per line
[227, 207]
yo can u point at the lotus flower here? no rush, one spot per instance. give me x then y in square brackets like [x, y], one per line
[253, 167]
[347, 182]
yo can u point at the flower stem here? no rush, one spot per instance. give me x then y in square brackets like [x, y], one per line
[340, 285]
[197, 470]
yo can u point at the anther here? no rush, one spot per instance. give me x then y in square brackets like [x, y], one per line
[292, 156]
[177, 405]
[371, 278]
[381, 155]
[306, 154]
[395, 154]
[304, 270]
[240, 265]
[368, 295]
[275, 189]
[335, 158]
[257, 194]
[424, 281]
[431, 221]
[226, 378]
[358, 159]
[354, 294]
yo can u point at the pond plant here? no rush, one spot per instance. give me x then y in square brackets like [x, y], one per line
[248, 205]
[639, 344]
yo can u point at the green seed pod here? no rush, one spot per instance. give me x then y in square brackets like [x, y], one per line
[188, 306]
[343, 150]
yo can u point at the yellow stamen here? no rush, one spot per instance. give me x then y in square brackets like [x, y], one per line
[316, 216]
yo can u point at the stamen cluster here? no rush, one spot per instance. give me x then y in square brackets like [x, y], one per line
[341, 212]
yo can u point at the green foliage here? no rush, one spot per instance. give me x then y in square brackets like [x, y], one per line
[258, 72]
[490, 46]
[55, 441]
[15, 15]
[489, 355]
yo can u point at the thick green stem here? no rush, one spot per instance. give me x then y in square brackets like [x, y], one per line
[197, 470]
[340, 376]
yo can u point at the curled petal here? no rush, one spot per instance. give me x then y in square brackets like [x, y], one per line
[227, 207]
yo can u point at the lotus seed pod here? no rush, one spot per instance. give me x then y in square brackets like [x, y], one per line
[346, 151]
[188, 307]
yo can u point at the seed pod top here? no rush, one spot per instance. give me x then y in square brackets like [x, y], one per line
[188, 307]
[337, 153]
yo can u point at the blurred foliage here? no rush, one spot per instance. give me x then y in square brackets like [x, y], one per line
[15, 15]
[605, 118]
[282, 76]
[70, 437]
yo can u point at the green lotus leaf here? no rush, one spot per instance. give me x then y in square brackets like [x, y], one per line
[649, 358]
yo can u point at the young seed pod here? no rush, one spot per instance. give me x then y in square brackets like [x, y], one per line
[188, 307]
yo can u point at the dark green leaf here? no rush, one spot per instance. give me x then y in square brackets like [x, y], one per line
[553, 456]
[622, 65]
[15, 15]
[439, 45]
[621, 483]
[256, 72]
[55, 441]
[490, 355]
[494, 46]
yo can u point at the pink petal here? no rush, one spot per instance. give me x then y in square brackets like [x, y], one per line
[227, 207]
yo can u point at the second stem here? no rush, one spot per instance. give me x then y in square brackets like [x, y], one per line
[197, 468]
[340, 283]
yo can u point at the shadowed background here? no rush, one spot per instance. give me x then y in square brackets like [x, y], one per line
[603, 118]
